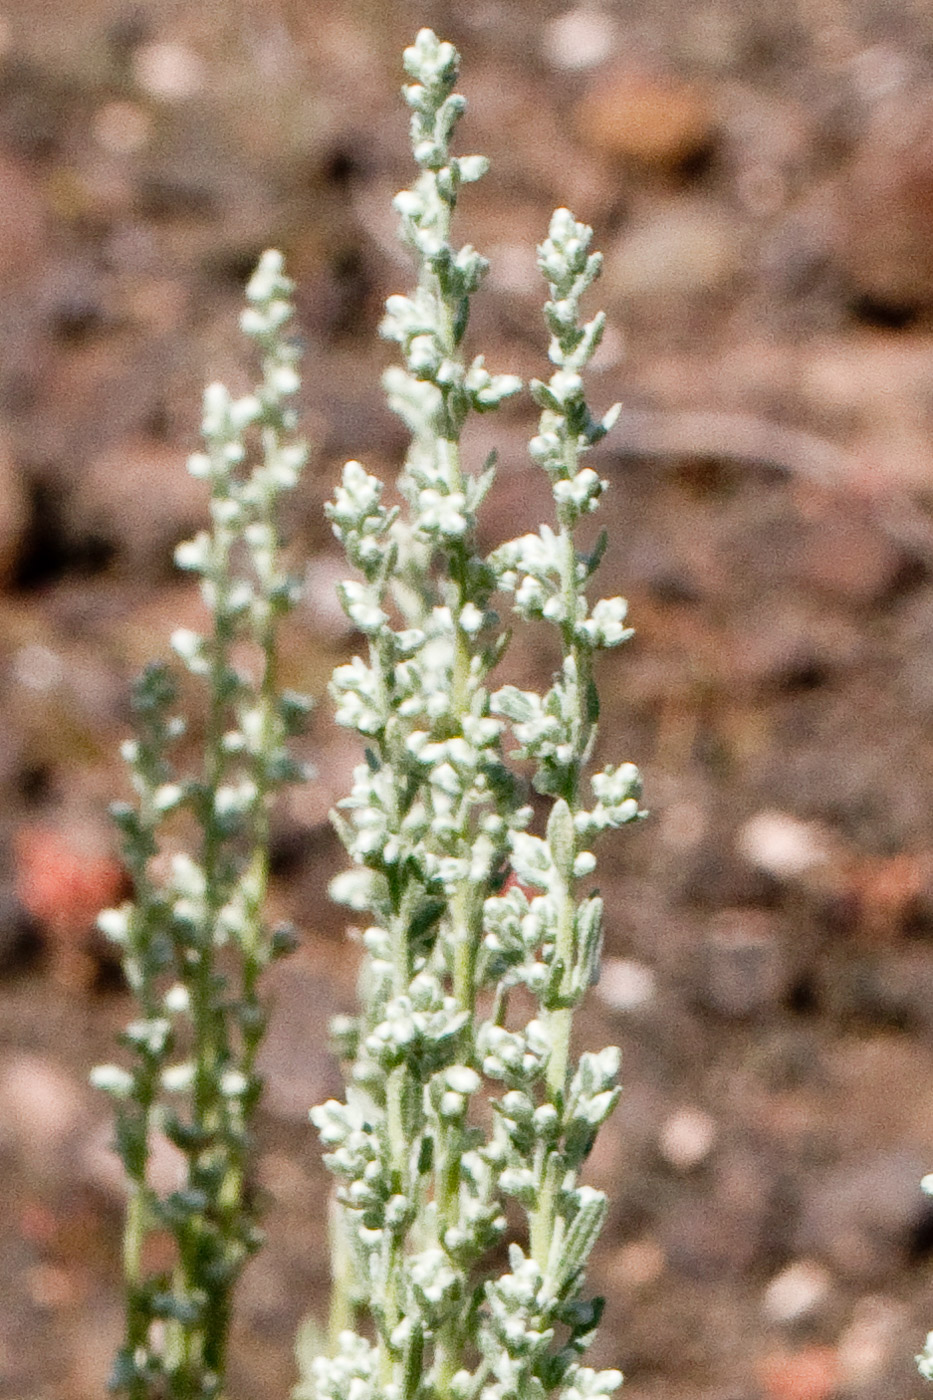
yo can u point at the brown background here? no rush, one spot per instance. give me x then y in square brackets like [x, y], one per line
[761, 180]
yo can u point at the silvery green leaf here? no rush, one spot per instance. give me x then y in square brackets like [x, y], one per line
[150, 1035]
[233, 1084]
[604, 626]
[531, 859]
[584, 864]
[575, 1248]
[269, 280]
[561, 839]
[215, 411]
[177, 999]
[522, 706]
[589, 937]
[547, 1123]
[200, 466]
[544, 396]
[581, 491]
[519, 1182]
[565, 387]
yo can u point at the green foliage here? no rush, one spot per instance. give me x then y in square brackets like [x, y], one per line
[465, 1109]
[194, 941]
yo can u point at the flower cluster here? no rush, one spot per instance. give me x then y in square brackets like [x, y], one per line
[194, 940]
[457, 1100]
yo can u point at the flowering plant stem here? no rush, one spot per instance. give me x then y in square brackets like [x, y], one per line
[194, 940]
[456, 1099]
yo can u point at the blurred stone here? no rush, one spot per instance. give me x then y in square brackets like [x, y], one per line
[742, 968]
[284, 1178]
[64, 877]
[687, 247]
[683, 825]
[797, 1292]
[92, 1347]
[625, 985]
[38, 668]
[41, 1105]
[809, 1374]
[791, 648]
[890, 988]
[724, 1226]
[868, 1343]
[687, 1138]
[885, 205]
[633, 1267]
[512, 269]
[169, 72]
[582, 38]
[657, 121]
[784, 846]
[864, 1215]
[846, 554]
[263, 1295]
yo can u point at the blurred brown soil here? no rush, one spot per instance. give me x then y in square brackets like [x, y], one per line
[761, 180]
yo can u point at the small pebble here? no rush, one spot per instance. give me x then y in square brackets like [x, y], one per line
[636, 1265]
[655, 120]
[685, 248]
[864, 1214]
[40, 1107]
[169, 72]
[870, 1340]
[512, 269]
[37, 668]
[783, 845]
[797, 1291]
[582, 38]
[687, 1138]
[624, 984]
[683, 825]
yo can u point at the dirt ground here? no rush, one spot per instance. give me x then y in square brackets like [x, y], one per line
[761, 180]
